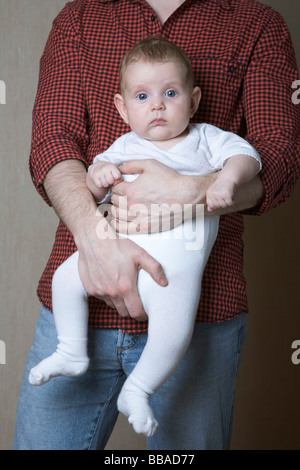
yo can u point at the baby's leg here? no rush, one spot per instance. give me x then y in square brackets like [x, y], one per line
[70, 310]
[171, 320]
[171, 312]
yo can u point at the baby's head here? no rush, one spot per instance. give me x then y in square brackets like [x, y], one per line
[158, 96]
[156, 50]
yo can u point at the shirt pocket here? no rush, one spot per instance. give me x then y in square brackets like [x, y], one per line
[221, 81]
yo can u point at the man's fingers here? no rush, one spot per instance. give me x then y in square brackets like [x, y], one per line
[135, 307]
[155, 270]
[134, 166]
[122, 213]
[119, 189]
[129, 303]
[119, 305]
[119, 227]
[115, 282]
[128, 228]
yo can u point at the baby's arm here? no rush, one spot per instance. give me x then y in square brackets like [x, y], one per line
[237, 170]
[100, 177]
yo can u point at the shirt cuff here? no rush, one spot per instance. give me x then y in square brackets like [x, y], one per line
[277, 174]
[45, 156]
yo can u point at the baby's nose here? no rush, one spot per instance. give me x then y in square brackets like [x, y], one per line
[157, 104]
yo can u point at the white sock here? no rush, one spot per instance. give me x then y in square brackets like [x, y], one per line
[69, 360]
[133, 402]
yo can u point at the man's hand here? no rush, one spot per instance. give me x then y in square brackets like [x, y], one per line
[108, 266]
[155, 200]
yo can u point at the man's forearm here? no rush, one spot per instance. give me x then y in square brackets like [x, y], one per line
[65, 185]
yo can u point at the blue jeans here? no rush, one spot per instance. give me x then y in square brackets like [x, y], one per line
[193, 408]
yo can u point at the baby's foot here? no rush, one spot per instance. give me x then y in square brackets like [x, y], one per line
[56, 365]
[147, 427]
[134, 403]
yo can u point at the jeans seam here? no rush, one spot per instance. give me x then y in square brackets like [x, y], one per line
[103, 409]
[134, 340]
[238, 352]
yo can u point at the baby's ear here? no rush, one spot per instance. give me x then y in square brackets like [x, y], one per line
[121, 107]
[195, 99]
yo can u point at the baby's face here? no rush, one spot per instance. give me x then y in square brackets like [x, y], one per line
[158, 100]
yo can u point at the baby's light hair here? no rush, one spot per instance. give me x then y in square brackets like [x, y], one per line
[156, 50]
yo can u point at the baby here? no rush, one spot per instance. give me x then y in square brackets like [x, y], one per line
[157, 99]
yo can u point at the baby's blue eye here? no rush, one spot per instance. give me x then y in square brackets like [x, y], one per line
[171, 93]
[142, 96]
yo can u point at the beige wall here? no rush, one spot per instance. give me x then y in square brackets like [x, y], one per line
[267, 400]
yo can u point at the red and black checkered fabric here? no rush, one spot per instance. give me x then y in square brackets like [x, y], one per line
[244, 63]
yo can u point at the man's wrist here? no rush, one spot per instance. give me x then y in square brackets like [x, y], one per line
[196, 187]
[93, 225]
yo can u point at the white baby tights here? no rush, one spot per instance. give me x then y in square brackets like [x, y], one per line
[171, 311]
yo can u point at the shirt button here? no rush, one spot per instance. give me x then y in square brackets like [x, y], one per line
[153, 18]
[232, 68]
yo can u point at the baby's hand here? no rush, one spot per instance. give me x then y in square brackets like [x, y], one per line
[105, 174]
[220, 194]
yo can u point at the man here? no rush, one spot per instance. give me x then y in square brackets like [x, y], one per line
[244, 63]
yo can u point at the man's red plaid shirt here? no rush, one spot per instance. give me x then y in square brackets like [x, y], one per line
[244, 63]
